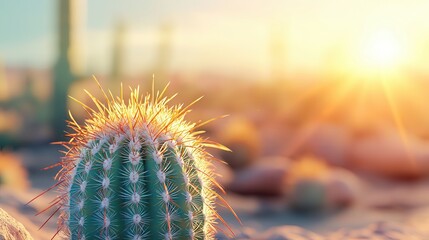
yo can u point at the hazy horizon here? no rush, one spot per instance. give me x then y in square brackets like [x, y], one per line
[222, 36]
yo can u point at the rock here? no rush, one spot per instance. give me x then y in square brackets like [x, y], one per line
[342, 188]
[264, 178]
[330, 142]
[274, 137]
[10, 229]
[14, 203]
[241, 136]
[289, 233]
[388, 154]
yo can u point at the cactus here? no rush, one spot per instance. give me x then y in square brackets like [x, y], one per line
[137, 170]
[307, 184]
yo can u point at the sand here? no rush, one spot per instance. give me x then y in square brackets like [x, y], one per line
[393, 204]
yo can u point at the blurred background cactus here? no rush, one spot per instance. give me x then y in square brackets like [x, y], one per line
[68, 64]
[307, 191]
[314, 186]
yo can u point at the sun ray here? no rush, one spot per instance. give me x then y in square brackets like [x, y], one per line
[388, 93]
[360, 107]
[326, 111]
[304, 95]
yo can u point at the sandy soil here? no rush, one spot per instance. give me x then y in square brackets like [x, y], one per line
[380, 200]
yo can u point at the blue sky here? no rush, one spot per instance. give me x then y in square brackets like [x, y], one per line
[20, 23]
[27, 29]
[216, 35]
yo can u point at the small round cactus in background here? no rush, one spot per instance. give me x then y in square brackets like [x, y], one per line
[136, 170]
[306, 188]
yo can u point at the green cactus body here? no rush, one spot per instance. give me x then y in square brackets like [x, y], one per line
[137, 171]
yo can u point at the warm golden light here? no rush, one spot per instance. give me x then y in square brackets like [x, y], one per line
[383, 50]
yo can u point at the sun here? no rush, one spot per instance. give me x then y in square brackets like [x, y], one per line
[383, 50]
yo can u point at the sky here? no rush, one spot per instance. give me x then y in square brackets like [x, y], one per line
[216, 35]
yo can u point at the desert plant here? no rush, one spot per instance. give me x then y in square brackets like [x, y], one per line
[137, 170]
[307, 184]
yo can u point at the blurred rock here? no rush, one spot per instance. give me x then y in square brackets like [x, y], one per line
[274, 136]
[330, 142]
[264, 178]
[387, 154]
[15, 203]
[378, 231]
[241, 136]
[10, 229]
[288, 233]
[342, 188]
[12, 174]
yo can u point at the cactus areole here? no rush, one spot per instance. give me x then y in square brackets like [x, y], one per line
[136, 170]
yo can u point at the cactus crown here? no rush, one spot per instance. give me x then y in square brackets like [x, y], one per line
[136, 170]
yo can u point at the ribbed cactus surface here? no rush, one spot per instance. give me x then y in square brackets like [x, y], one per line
[137, 170]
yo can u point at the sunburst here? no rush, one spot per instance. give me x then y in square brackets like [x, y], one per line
[373, 79]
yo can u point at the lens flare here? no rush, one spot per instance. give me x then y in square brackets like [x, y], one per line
[383, 50]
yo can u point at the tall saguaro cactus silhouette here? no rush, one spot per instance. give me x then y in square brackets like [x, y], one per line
[162, 56]
[66, 66]
[118, 46]
[3, 83]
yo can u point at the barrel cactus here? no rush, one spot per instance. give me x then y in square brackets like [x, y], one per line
[137, 170]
